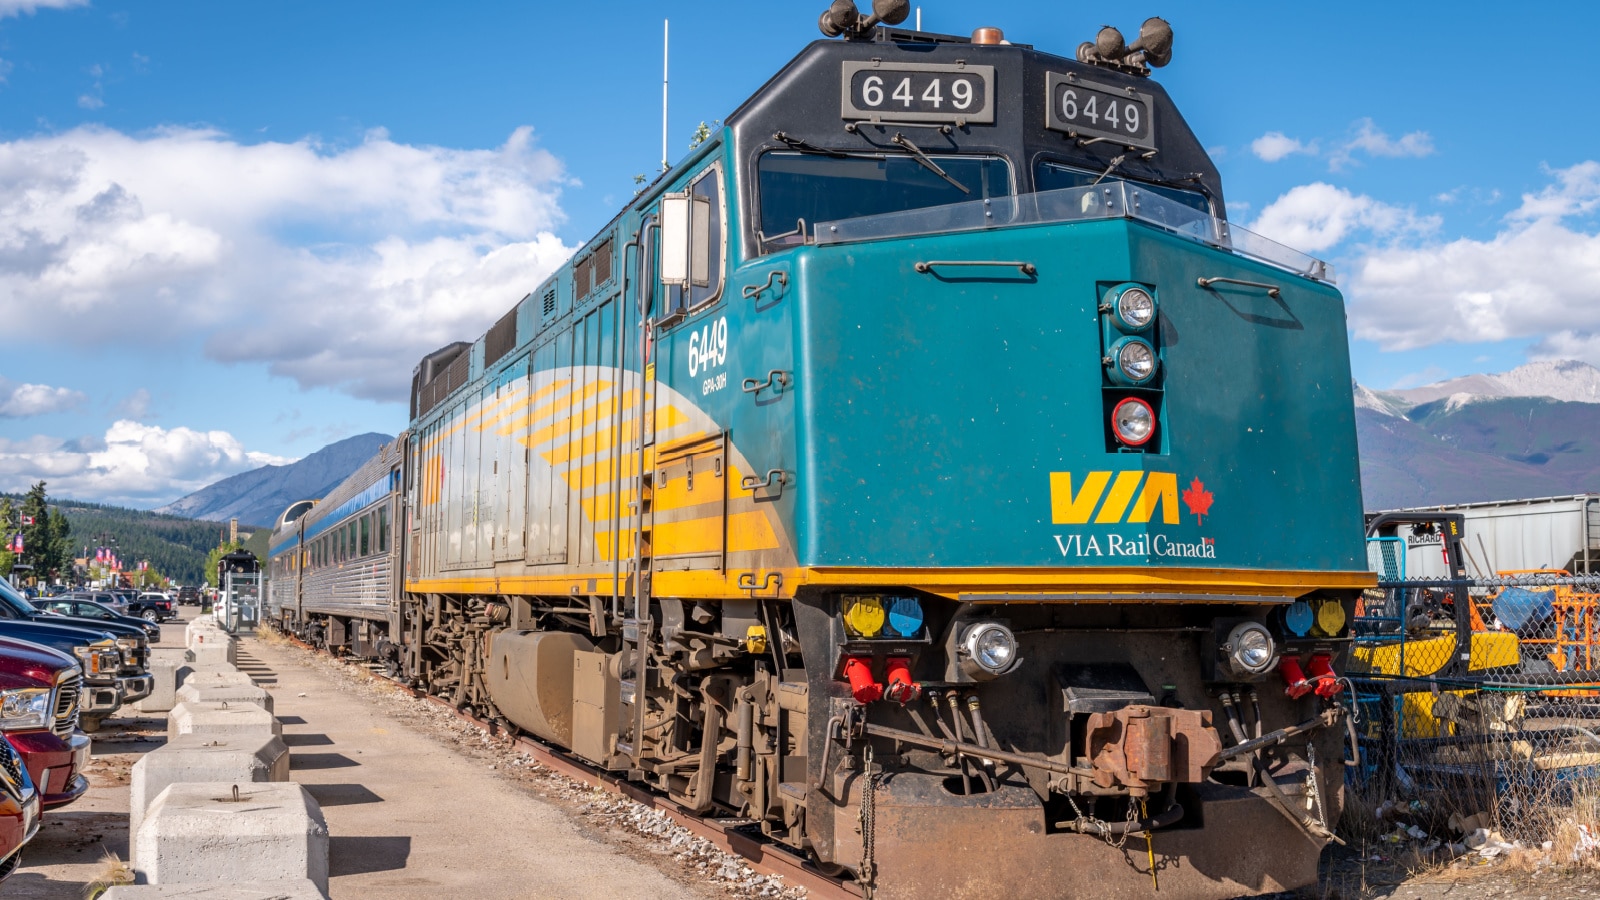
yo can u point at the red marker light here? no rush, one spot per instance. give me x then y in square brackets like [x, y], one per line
[1133, 421]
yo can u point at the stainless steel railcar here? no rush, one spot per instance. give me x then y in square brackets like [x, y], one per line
[333, 564]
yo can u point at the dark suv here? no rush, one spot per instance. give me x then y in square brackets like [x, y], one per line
[189, 596]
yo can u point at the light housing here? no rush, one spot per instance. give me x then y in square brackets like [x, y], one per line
[1133, 422]
[1249, 651]
[100, 658]
[1132, 362]
[25, 709]
[987, 650]
[1132, 307]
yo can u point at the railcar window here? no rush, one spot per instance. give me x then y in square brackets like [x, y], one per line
[350, 541]
[820, 188]
[366, 534]
[383, 529]
[1053, 176]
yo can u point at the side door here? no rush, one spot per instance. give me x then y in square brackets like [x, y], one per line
[691, 395]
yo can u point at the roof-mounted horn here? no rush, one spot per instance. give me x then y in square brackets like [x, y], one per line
[1153, 49]
[842, 18]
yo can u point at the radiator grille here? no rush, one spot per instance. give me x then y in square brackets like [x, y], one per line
[66, 713]
[501, 339]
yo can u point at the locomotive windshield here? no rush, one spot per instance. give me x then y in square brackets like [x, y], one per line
[813, 187]
[1052, 176]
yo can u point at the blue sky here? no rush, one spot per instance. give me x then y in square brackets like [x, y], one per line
[228, 230]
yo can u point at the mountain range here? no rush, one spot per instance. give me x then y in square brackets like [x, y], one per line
[259, 496]
[1531, 432]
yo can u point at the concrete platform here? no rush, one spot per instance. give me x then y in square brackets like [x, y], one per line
[234, 758]
[302, 889]
[219, 718]
[232, 693]
[208, 832]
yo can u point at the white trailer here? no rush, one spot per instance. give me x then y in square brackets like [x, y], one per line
[1545, 533]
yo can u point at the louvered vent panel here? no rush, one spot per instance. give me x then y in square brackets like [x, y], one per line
[501, 339]
[549, 303]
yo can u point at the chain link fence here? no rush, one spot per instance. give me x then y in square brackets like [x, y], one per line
[1479, 704]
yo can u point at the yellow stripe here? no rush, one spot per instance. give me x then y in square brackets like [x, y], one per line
[560, 404]
[1043, 583]
[567, 425]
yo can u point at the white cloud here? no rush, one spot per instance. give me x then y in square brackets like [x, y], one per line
[135, 463]
[1314, 217]
[336, 268]
[1275, 145]
[18, 7]
[22, 400]
[1373, 142]
[135, 406]
[1536, 278]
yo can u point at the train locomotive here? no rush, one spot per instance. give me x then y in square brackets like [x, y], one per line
[924, 470]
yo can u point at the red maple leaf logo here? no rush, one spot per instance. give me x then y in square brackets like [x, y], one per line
[1198, 499]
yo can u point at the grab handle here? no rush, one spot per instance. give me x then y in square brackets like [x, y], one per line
[1027, 268]
[1272, 290]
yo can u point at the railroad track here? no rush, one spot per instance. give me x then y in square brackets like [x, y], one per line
[761, 855]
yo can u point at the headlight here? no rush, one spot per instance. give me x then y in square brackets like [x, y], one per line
[1134, 308]
[1133, 361]
[1133, 421]
[988, 649]
[103, 658]
[1250, 650]
[25, 708]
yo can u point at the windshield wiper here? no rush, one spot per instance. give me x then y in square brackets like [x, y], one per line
[799, 144]
[930, 165]
[1115, 161]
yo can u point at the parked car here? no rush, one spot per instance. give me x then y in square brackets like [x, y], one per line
[19, 809]
[88, 609]
[160, 602]
[137, 607]
[39, 690]
[114, 657]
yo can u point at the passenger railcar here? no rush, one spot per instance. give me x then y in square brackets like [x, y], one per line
[333, 562]
[924, 469]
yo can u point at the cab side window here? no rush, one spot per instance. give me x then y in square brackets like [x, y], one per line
[692, 252]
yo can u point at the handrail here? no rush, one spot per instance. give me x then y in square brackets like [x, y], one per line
[1027, 268]
[1272, 290]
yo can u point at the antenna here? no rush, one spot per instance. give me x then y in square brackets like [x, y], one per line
[664, 46]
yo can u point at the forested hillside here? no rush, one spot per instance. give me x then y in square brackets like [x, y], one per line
[175, 546]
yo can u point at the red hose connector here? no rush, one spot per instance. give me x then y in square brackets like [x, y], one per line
[1327, 681]
[863, 686]
[1294, 678]
[901, 689]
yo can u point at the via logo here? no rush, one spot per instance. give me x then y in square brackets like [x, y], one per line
[1133, 497]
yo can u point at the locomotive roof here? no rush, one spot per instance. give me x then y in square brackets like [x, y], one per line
[803, 101]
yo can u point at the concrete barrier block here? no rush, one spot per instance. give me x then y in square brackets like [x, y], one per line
[211, 675]
[232, 693]
[303, 889]
[201, 832]
[199, 623]
[212, 650]
[238, 758]
[221, 717]
[164, 690]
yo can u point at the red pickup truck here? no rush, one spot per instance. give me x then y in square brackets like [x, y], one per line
[39, 690]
